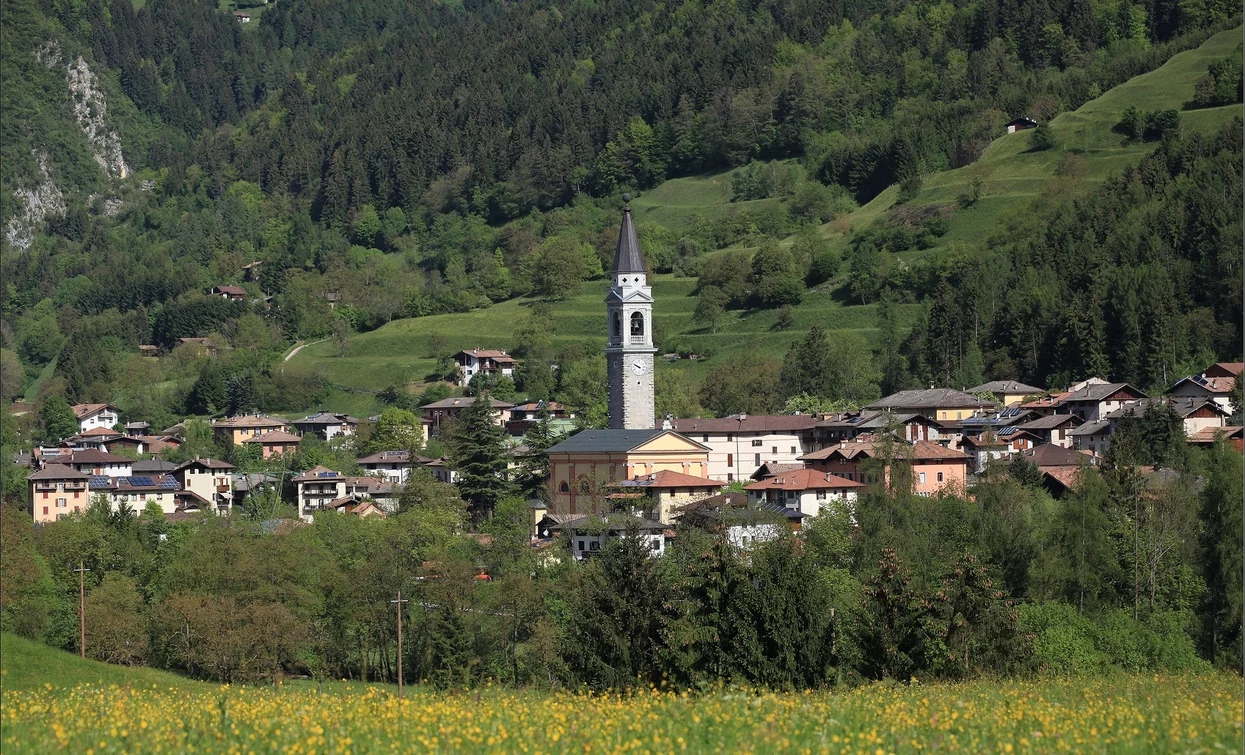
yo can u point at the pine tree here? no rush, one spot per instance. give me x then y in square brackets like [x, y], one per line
[806, 367]
[478, 455]
[535, 464]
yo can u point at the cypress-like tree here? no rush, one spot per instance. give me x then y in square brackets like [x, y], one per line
[478, 454]
[534, 468]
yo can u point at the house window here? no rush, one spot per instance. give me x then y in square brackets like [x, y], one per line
[758, 459]
[940, 476]
[775, 450]
[730, 437]
[61, 503]
[581, 545]
[706, 438]
[60, 487]
[793, 450]
[656, 544]
[757, 442]
[921, 477]
[594, 545]
[45, 510]
[730, 477]
[730, 460]
[821, 495]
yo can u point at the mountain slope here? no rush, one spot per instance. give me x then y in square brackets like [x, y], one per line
[1013, 177]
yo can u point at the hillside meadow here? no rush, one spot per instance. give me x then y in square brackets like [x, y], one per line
[1012, 174]
[80, 706]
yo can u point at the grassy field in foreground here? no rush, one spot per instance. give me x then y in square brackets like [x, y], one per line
[55, 701]
[144, 711]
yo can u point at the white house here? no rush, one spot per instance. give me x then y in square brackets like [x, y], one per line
[394, 466]
[744, 522]
[91, 416]
[97, 463]
[804, 490]
[1215, 383]
[739, 445]
[326, 426]
[483, 362]
[587, 535]
[1097, 400]
[210, 479]
[322, 488]
[139, 492]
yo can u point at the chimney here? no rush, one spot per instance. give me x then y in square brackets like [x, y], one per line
[828, 476]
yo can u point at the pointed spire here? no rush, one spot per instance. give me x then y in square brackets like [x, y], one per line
[627, 259]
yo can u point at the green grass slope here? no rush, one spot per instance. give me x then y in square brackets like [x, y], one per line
[1012, 175]
[26, 664]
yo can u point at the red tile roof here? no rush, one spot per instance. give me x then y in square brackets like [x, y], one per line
[90, 410]
[276, 436]
[804, 479]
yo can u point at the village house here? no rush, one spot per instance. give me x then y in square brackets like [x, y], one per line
[587, 535]
[210, 479]
[57, 491]
[739, 444]
[1008, 392]
[233, 293]
[237, 429]
[804, 490]
[96, 438]
[666, 490]
[484, 362]
[321, 488]
[438, 413]
[94, 462]
[1097, 400]
[1020, 124]
[1060, 467]
[275, 443]
[138, 492]
[1195, 413]
[582, 466]
[91, 416]
[833, 429]
[934, 467]
[441, 470]
[935, 403]
[136, 429]
[359, 505]
[1215, 383]
[1093, 436]
[394, 466]
[745, 523]
[525, 416]
[1052, 428]
[1231, 434]
[242, 17]
[327, 426]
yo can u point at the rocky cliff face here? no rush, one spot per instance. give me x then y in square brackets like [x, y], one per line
[44, 199]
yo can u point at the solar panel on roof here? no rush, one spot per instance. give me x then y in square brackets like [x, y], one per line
[328, 474]
[1007, 431]
[169, 483]
[1010, 412]
[141, 482]
[99, 481]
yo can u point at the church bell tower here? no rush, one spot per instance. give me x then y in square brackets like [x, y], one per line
[629, 349]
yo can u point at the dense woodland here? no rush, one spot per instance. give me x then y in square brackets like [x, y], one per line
[466, 155]
[1127, 570]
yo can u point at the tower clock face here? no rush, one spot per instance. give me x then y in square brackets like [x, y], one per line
[637, 367]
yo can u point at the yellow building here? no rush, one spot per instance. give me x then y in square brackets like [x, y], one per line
[1008, 392]
[237, 429]
[583, 468]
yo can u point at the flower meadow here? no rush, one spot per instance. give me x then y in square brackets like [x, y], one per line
[1118, 713]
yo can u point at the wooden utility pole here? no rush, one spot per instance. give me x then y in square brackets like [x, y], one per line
[399, 602]
[82, 570]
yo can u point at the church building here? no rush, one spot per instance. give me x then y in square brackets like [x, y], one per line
[584, 468]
